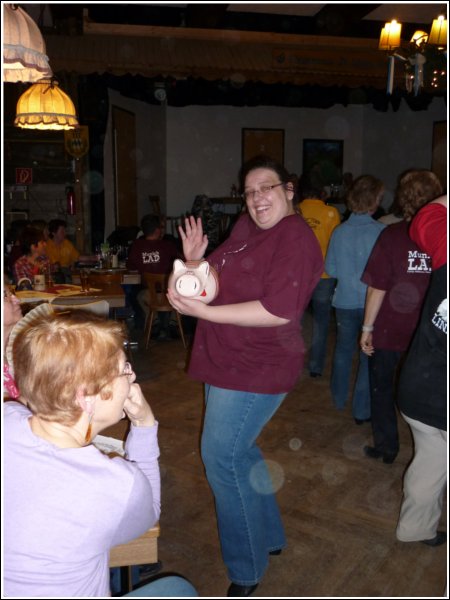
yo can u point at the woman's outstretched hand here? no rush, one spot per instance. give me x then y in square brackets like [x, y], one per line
[194, 240]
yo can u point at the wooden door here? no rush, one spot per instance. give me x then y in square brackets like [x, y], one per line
[124, 144]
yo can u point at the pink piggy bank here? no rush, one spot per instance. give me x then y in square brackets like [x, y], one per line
[195, 279]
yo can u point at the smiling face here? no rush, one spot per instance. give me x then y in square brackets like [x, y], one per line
[267, 205]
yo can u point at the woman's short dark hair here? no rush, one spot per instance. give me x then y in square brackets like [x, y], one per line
[365, 194]
[263, 161]
[30, 236]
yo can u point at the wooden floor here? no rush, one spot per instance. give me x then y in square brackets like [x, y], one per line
[339, 507]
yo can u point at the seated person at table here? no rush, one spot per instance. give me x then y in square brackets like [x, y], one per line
[67, 504]
[151, 254]
[12, 313]
[12, 244]
[34, 258]
[61, 252]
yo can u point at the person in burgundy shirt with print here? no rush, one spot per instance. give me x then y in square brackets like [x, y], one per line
[397, 275]
[152, 254]
[248, 349]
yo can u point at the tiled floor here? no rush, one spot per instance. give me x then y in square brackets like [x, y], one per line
[339, 508]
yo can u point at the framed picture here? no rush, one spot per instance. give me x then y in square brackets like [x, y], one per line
[263, 141]
[322, 162]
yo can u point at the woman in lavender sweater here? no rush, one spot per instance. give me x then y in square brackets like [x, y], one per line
[65, 503]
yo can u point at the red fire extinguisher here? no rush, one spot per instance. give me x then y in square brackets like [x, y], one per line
[71, 208]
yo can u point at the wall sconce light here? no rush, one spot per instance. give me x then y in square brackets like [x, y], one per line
[24, 57]
[160, 92]
[45, 106]
[421, 50]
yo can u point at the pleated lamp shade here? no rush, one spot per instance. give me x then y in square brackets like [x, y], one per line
[45, 106]
[24, 57]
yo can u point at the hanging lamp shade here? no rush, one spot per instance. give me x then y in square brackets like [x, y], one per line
[45, 106]
[24, 57]
[438, 33]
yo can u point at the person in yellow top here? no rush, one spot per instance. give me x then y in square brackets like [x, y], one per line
[60, 251]
[322, 219]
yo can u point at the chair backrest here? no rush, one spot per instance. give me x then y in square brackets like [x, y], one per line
[157, 288]
[155, 204]
[102, 279]
[99, 307]
[172, 224]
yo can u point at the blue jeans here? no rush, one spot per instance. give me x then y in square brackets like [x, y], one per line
[349, 322]
[248, 517]
[166, 586]
[321, 312]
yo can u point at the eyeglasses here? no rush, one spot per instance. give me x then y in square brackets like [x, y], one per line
[263, 191]
[127, 370]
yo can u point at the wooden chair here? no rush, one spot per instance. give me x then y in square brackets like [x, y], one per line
[140, 551]
[172, 224]
[102, 280]
[155, 203]
[157, 287]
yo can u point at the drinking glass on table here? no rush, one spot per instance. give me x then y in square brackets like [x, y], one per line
[84, 279]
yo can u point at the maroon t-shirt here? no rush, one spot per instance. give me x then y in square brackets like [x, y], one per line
[397, 266]
[280, 267]
[152, 256]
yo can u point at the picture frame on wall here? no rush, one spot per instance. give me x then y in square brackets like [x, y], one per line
[323, 162]
[263, 141]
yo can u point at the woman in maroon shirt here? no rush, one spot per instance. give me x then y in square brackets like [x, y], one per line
[249, 352]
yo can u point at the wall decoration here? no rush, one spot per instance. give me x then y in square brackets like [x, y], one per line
[322, 162]
[263, 141]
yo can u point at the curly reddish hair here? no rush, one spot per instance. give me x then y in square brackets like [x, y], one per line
[416, 188]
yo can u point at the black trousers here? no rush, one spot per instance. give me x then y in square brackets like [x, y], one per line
[383, 367]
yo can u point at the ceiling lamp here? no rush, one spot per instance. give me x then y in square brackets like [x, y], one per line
[423, 49]
[45, 106]
[24, 57]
